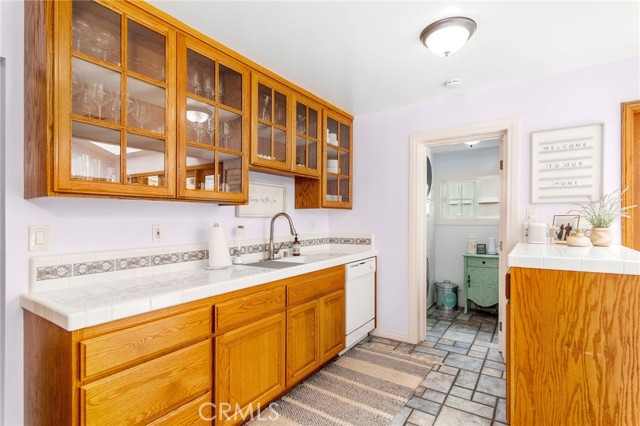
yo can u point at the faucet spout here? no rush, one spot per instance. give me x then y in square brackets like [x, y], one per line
[292, 229]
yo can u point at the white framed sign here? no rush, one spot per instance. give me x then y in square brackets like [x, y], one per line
[566, 164]
[264, 201]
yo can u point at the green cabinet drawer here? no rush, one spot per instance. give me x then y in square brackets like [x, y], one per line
[480, 262]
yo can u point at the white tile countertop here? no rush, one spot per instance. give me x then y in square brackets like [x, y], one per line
[609, 260]
[81, 306]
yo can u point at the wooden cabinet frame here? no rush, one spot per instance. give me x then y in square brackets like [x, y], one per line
[59, 377]
[631, 172]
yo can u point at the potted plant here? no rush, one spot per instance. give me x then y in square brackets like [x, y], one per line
[601, 214]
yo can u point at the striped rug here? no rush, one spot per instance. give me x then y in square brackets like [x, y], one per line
[366, 386]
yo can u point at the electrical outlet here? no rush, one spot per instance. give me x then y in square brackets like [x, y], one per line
[157, 233]
[38, 237]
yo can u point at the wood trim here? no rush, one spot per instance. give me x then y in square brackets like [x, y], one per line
[39, 19]
[630, 166]
[49, 373]
[311, 104]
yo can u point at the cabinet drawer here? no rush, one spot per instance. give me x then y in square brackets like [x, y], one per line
[112, 350]
[314, 285]
[189, 414]
[251, 307]
[482, 263]
[132, 396]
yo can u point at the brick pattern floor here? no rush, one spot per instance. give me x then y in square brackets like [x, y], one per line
[468, 388]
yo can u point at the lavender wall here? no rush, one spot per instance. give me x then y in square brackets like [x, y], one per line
[584, 96]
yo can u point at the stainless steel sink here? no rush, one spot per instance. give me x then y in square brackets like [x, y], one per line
[274, 264]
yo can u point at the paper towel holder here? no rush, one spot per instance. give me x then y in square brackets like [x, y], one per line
[219, 257]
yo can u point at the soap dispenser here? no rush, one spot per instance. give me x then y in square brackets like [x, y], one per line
[295, 246]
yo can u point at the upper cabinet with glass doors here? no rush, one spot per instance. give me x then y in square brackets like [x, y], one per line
[213, 127]
[308, 136]
[271, 124]
[113, 102]
[337, 161]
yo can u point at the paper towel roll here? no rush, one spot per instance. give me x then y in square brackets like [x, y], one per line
[218, 249]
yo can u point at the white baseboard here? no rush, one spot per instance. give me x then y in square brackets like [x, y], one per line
[392, 335]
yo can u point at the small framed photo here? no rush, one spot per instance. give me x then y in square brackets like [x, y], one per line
[562, 226]
[481, 249]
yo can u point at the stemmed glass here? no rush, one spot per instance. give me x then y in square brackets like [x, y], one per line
[104, 40]
[76, 85]
[266, 113]
[100, 96]
[114, 110]
[87, 102]
[79, 29]
[208, 87]
[220, 89]
[226, 132]
[195, 82]
[143, 114]
[211, 128]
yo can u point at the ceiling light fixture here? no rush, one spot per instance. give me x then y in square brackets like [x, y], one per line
[448, 35]
[470, 144]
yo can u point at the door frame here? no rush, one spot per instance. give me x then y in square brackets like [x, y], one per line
[630, 171]
[508, 129]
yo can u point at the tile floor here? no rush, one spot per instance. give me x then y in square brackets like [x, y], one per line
[468, 389]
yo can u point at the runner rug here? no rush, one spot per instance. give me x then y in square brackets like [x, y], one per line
[367, 386]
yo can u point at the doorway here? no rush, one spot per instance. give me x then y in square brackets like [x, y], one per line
[507, 132]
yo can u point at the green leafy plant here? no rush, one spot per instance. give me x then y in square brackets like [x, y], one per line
[602, 213]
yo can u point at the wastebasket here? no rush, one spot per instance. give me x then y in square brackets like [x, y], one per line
[447, 295]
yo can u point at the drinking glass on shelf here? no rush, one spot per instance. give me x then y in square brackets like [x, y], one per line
[114, 109]
[266, 113]
[79, 29]
[195, 82]
[220, 89]
[100, 96]
[76, 85]
[211, 128]
[104, 42]
[208, 87]
[302, 125]
[226, 133]
[143, 114]
[87, 102]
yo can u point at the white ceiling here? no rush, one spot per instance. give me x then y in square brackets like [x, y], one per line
[365, 56]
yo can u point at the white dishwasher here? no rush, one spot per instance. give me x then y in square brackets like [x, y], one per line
[361, 299]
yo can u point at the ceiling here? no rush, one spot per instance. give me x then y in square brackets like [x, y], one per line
[365, 56]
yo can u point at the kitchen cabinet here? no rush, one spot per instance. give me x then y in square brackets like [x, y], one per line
[124, 101]
[271, 124]
[481, 280]
[250, 368]
[232, 353]
[213, 123]
[101, 107]
[308, 136]
[334, 189]
[573, 339]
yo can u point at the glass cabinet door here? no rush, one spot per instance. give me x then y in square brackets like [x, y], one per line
[308, 134]
[120, 113]
[271, 119]
[212, 136]
[337, 162]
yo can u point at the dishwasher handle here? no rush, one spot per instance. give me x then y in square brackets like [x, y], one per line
[360, 268]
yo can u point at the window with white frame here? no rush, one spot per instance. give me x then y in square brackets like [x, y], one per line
[468, 199]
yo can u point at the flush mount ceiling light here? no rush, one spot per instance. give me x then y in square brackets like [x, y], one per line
[470, 144]
[448, 35]
[197, 115]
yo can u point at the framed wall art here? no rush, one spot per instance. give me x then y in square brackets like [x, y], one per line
[264, 201]
[566, 164]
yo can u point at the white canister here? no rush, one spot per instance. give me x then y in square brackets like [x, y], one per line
[538, 233]
[491, 246]
[472, 244]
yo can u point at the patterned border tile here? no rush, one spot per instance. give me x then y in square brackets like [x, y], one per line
[53, 272]
[93, 267]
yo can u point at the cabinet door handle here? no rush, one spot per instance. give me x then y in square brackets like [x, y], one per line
[468, 280]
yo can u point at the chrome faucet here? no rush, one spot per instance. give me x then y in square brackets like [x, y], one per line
[272, 249]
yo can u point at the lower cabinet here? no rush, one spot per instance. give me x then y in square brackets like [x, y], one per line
[214, 361]
[332, 325]
[250, 369]
[303, 341]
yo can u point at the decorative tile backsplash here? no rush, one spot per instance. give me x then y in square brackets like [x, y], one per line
[53, 269]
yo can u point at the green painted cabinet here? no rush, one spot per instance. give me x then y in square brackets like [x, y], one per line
[480, 280]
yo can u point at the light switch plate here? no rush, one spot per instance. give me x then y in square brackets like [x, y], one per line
[38, 237]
